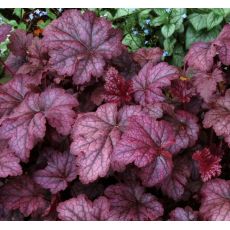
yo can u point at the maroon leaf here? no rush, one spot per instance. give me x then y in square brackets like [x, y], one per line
[37, 59]
[125, 64]
[174, 185]
[60, 170]
[94, 137]
[215, 204]
[209, 164]
[200, 56]
[183, 214]
[219, 117]
[117, 89]
[4, 31]
[79, 44]
[144, 55]
[182, 90]
[143, 140]
[132, 203]
[222, 44]
[206, 83]
[26, 126]
[13, 92]
[24, 132]
[157, 171]
[9, 163]
[186, 130]
[23, 194]
[20, 42]
[81, 208]
[151, 79]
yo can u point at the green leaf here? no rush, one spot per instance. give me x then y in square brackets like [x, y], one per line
[160, 20]
[213, 20]
[168, 30]
[50, 14]
[42, 25]
[218, 11]
[226, 12]
[106, 14]
[169, 45]
[21, 26]
[199, 21]
[178, 56]
[176, 17]
[205, 36]
[159, 11]
[133, 42]
[121, 12]
[19, 12]
[143, 15]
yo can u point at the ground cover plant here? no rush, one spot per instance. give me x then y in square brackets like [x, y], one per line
[91, 130]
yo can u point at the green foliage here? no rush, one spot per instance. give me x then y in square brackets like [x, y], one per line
[173, 30]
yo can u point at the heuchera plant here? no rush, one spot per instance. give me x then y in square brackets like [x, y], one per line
[91, 131]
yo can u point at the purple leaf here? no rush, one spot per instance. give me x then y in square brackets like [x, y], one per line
[157, 171]
[4, 31]
[83, 209]
[151, 79]
[143, 140]
[215, 203]
[94, 136]
[60, 170]
[9, 163]
[23, 194]
[79, 44]
[200, 56]
[132, 203]
[27, 125]
[183, 214]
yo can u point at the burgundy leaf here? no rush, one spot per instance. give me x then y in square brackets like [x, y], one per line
[209, 164]
[79, 44]
[94, 137]
[60, 170]
[144, 55]
[132, 203]
[143, 140]
[81, 208]
[222, 44]
[206, 83]
[4, 31]
[174, 185]
[9, 163]
[151, 79]
[186, 130]
[20, 42]
[37, 59]
[24, 132]
[157, 171]
[13, 92]
[182, 90]
[117, 89]
[23, 194]
[125, 64]
[215, 203]
[200, 56]
[27, 125]
[219, 117]
[183, 214]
